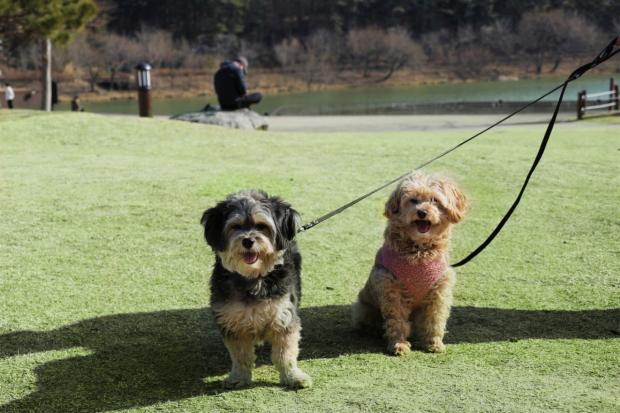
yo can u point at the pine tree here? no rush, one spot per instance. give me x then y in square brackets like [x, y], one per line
[44, 21]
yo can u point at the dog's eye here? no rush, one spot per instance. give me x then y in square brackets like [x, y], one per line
[235, 227]
[261, 227]
[414, 201]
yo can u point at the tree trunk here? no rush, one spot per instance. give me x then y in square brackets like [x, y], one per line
[93, 77]
[539, 64]
[387, 75]
[555, 64]
[394, 66]
[112, 79]
[46, 75]
[366, 67]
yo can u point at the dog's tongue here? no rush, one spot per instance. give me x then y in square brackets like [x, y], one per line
[423, 226]
[250, 257]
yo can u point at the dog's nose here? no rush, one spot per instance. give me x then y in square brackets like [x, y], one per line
[421, 213]
[247, 242]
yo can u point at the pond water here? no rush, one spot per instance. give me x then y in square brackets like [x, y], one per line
[371, 99]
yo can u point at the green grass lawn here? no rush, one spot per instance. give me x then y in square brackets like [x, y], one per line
[104, 272]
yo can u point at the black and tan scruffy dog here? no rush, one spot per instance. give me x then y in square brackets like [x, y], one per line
[255, 285]
[411, 281]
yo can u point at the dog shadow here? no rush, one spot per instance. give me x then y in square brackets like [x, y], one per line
[145, 358]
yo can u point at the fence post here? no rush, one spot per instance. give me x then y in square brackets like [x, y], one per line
[581, 103]
[611, 95]
[617, 96]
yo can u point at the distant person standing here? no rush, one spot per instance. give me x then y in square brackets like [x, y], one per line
[54, 94]
[230, 86]
[9, 95]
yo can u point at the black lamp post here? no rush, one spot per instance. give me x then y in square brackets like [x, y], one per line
[144, 89]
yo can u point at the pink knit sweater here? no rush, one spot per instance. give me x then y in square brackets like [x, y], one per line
[417, 277]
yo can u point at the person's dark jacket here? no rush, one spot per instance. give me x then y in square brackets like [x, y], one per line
[229, 82]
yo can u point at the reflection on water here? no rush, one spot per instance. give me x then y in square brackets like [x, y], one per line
[371, 99]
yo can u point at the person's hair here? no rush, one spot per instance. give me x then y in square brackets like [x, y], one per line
[242, 60]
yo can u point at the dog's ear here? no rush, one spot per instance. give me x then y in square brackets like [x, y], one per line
[392, 206]
[287, 222]
[456, 202]
[213, 219]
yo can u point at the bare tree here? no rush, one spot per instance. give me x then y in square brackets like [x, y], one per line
[551, 35]
[366, 46]
[159, 48]
[585, 38]
[156, 46]
[225, 45]
[198, 61]
[463, 52]
[176, 59]
[438, 45]
[289, 52]
[118, 53]
[249, 50]
[319, 59]
[499, 39]
[469, 57]
[400, 50]
[388, 51]
[315, 58]
[86, 52]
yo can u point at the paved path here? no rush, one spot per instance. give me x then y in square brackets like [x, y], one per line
[384, 123]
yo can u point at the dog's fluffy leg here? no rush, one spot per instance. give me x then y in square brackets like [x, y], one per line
[396, 316]
[242, 354]
[432, 318]
[284, 352]
[363, 313]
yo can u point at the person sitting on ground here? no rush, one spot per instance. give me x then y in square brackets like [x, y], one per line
[29, 95]
[75, 104]
[230, 86]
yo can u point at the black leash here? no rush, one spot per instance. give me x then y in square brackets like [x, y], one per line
[604, 55]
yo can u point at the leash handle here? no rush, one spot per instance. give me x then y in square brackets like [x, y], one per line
[605, 54]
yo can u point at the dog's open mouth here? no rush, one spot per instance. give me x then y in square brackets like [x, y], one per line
[250, 257]
[423, 226]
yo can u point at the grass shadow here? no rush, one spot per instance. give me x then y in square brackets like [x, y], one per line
[145, 358]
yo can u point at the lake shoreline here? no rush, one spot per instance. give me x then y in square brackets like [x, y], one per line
[198, 84]
[491, 97]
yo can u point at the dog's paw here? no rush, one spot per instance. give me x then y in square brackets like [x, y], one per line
[436, 345]
[236, 381]
[296, 379]
[401, 348]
